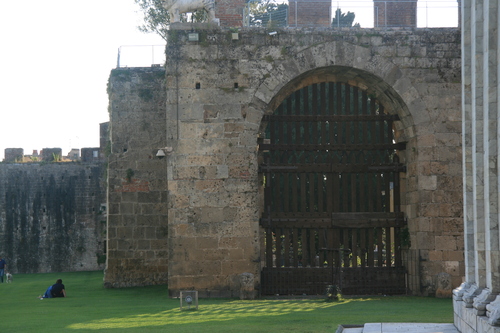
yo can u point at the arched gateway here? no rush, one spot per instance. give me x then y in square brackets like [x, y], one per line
[197, 218]
[332, 216]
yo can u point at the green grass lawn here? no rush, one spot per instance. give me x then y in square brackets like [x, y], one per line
[89, 307]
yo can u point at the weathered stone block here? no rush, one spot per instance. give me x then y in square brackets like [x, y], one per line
[446, 243]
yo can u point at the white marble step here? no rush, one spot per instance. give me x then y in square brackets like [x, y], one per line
[401, 328]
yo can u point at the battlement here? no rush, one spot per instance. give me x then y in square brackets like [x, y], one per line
[86, 155]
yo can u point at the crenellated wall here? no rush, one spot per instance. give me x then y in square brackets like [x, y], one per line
[52, 216]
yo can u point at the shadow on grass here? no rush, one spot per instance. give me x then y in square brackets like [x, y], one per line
[230, 310]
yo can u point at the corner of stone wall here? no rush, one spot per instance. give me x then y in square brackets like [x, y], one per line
[137, 179]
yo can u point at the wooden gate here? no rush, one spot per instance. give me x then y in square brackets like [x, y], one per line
[332, 211]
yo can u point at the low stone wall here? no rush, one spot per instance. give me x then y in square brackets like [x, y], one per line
[467, 321]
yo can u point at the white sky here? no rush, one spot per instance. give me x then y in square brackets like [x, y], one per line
[55, 60]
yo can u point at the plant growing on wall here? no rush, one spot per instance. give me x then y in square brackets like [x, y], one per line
[266, 13]
[344, 20]
[129, 175]
[56, 157]
[157, 18]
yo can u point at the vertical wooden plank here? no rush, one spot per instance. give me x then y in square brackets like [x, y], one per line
[330, 245]
[320, 184]
[297, 112]
[382, 131]
[356, 112]
[303, 191]
[305, 253]
[295, 192]
[345, 189]
[371, 248]
[323, 241]
[268, 192]
[272, 130]
[272, 189]
[346, 246]
[313, 207]
[294, 179]
[289, 112]
[362, 203]
[354, 186]
[387, 191]
[372, 192]
[362, 246]
[364, 110]
[295, 244]
[331, 98]
[280, 126]
[379, 203]
[354, 248]
[336, 191]
[396, 187]
[306, 111]
[373, 130]
[286, 192]
[312, 247]
[286, 247]
[336, 246]
[355, 101]
[339, 105]
[330, 192]
[279, 249]
[278, 199]
[347, 125]
[397, 247]
[380, 247]
[314, 111]
[269, 247]
[388, 247]
[375, 138]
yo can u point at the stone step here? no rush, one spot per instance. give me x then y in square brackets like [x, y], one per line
[399, 328]
[352, 330]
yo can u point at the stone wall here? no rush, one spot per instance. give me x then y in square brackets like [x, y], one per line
[52, 217]
[137, 186]
[217, 91]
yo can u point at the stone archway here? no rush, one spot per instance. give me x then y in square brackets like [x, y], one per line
[202, 229]
[430, 124]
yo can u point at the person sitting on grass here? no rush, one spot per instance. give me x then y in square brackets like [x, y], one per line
[55, 290]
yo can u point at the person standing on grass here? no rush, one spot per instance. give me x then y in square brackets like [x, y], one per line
[3, 265]
[55, 290]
